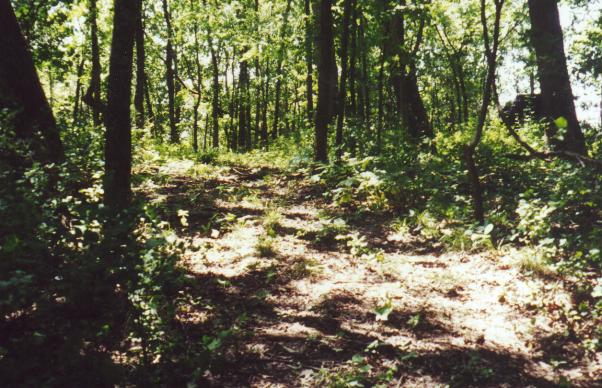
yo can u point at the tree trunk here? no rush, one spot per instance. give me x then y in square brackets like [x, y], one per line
[280, 59]
[149, 106]
[547, 39]
[78, 90]
[347, 9]
[93, 96]
[243, 85]
[118, 144]
[491, 50]
[198, 85]
[215, 107]
[381, 102]
[353, 66]
[170, 78]
[327, 80]
[266, 101]
[309, 80]
[365, 83]
[415, 112]
[140, 73]
[21, 90]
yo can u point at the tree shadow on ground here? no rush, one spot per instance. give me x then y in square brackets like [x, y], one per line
[272, 335]
[271, 346]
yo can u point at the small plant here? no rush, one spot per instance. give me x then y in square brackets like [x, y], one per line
[415, 320]
[266, 246]
[208, 157]
[330, 229]
[271, 222]
[382, 311]
[535, 261]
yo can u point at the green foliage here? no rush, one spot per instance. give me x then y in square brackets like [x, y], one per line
[70, 296]
[266, 246]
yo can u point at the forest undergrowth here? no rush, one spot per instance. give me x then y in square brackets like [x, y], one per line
[311, 277]
[266, 269]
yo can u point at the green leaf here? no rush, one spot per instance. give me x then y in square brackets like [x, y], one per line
[11, 243]
[487, 229]
[357, 358]
[382, 312]
[561, 122]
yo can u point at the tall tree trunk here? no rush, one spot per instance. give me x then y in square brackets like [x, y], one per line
[347, 9]
[309, 80]
[199, 86]
[78, 90]
[243, 85]
[149, 107]
[215, 107]
[266, 101]
[233, 105]
[381, 101]
[280, 59]
[353, 65]
[394, 50]
[327, 80]
[557, 95]
[491, 50]
[416, 116]
[365, 83]
[258, 94]
[170, 77]
[93, 96]
[118, 144]
[21, 90]
[140, 73]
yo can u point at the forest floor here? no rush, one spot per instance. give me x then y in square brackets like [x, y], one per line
[299, 307]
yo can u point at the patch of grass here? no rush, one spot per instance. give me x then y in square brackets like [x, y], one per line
[305, 268]
[330, 229]
[266, 246]
[208, 157]
[445, 281]
[271, 221]
[532, 261]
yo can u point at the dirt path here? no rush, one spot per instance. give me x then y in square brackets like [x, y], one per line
[300, 307]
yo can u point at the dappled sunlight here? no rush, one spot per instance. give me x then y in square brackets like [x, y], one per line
[305, 296]
[316, 193]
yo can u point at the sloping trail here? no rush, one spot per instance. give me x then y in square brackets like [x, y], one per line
[303, 311]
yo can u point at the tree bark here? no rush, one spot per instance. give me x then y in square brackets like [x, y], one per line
[243, 119]
[199, 87]
[416, 117]
[78, 90]
[548, 42]
[140, 73]
[21, 91]
[491, 50]
[266, 101]
[327, 80]
[170, 77]
[93, 97]
[381, 101]
[347, 9]
[365, 80]
[309, 81]
[279, 70]
[118, 144]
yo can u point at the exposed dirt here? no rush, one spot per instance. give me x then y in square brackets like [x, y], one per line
[302, 309]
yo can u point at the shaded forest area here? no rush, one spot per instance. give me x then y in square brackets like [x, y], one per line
[300, 193]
